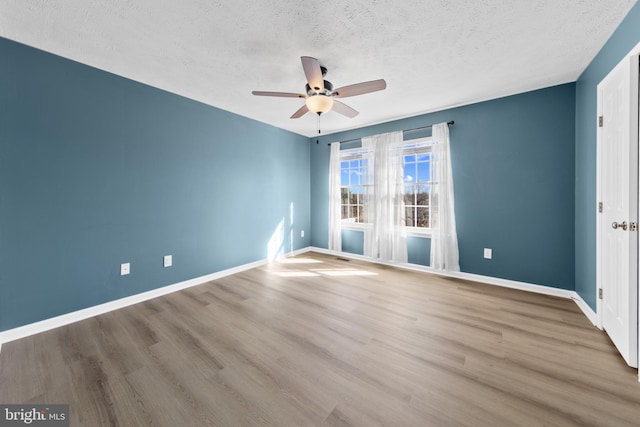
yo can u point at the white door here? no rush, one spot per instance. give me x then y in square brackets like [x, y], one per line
[618, 180]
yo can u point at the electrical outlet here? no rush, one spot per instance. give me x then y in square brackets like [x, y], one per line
[301, 233]
[125, 269]
[488, 253]
[167, 261]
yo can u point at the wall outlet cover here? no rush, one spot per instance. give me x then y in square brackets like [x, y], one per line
[125, 268]
[167, 260]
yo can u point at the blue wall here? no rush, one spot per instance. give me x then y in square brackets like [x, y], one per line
[96, 170]
[513, 166]
[621, 42]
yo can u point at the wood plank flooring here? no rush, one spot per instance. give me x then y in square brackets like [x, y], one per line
[319, 341]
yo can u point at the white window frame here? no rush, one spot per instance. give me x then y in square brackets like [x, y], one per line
[349, 155]
[420, 146]
[412, 146]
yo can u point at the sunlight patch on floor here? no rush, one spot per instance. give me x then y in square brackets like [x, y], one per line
[344, 272]
[298, 273]
[299, 261]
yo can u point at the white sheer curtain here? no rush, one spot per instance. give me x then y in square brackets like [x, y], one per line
[335, 216]
[384, 207]
[444, 239]
[370, 247]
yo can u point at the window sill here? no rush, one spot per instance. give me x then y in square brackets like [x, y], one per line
[411, 232]
[416, 232]
[354, 226]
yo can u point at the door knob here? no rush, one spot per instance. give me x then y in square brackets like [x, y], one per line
[622, 225]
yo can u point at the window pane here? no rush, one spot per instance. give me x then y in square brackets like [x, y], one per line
[410, 172]
[424, 157]
[353, 212]
[422, 195]
[355, 177]
[363, 197]
[353, 164]
[422, 217]
[360, 213]
[410, 217]
[353, 198]
[363, 177]
[344, 176]
[409, 196]
[345, 212]
[410, 158]
[424, 172]
[344, 195]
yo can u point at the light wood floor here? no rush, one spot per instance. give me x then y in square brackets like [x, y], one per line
[319, 341]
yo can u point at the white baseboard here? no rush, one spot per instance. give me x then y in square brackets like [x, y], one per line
[539, 289]
[587, 310]
[65, 319]
[75, 316]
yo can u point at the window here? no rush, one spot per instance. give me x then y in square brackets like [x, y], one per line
[418, 185]
[420, 205]
[353, 167]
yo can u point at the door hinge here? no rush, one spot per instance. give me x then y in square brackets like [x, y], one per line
[600, 293]
[600, 121]
[600, 207]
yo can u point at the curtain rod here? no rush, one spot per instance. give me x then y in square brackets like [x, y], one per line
[450, 123]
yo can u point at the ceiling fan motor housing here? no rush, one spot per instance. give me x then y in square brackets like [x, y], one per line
[328, 88]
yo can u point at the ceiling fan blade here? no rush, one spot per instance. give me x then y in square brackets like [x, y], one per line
[313, 72]
[360, 88]
[279, 94]
[301, 112]
[344, 109]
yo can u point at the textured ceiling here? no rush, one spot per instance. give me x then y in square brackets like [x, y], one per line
[433, 54]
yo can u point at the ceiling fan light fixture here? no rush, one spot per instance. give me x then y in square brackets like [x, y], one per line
[319, 103]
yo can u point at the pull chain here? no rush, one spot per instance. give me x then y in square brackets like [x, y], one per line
[318, 126]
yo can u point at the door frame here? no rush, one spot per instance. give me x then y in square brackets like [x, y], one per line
[635, 116]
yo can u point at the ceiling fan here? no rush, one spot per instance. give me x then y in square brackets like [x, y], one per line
[320, 94]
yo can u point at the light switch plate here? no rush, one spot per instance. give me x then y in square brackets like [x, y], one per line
[488, 253]
[125, 268]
